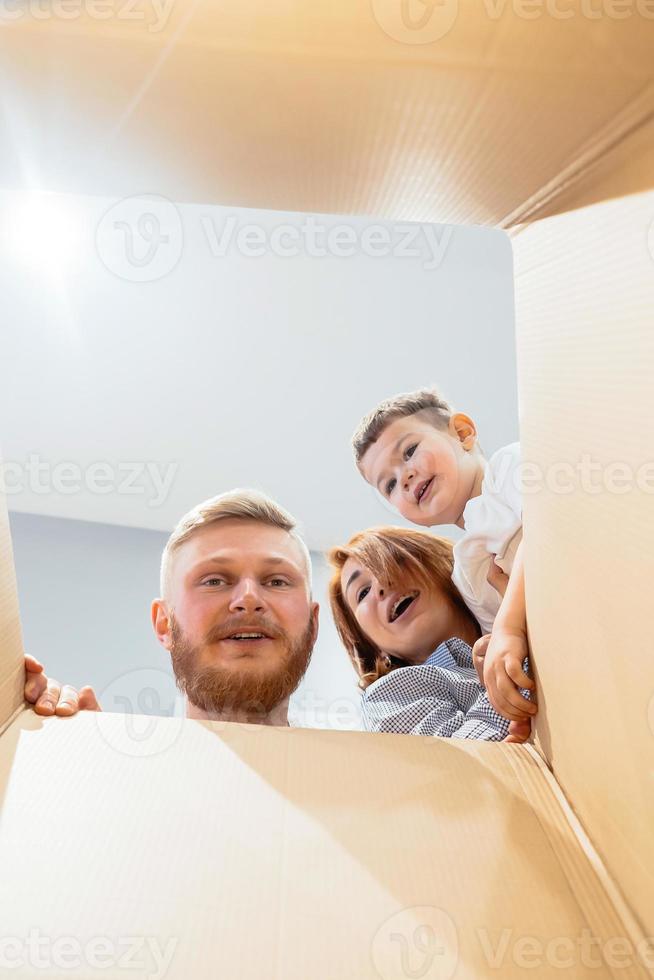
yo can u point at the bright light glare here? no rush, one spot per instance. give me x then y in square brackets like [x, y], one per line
[44, 233]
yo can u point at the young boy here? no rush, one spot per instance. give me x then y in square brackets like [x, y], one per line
[425, 460]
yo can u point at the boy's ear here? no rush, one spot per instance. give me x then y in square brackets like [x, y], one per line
[464, 429]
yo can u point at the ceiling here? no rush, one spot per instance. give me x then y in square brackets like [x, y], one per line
[466, 111]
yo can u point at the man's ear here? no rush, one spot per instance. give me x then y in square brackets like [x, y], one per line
[315, 619]
[464, 429]
[161, 622]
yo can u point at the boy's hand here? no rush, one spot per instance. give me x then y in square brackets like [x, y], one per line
[519, 731]
[503, 674]
[49, 697]
[497, 577]
[479, 654]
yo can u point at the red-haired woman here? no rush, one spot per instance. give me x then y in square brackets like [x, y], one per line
[411, 639]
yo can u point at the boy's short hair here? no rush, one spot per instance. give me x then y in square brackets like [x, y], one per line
[247, 505]
[426, 400]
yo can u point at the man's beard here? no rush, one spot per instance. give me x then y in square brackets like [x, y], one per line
[218, 689]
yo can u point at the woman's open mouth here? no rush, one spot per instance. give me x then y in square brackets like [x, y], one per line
[401, 604]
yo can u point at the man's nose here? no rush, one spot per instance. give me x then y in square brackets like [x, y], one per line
[246, 597]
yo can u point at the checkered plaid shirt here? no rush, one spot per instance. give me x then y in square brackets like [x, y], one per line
[441, 697]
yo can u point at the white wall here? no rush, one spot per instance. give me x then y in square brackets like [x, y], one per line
[85, 591]
[239, 365]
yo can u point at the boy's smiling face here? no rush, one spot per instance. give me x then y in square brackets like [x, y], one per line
[428, 474]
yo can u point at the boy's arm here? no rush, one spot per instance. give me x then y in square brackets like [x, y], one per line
[508, 647]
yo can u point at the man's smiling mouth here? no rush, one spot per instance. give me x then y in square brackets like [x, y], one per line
[422, 489]
[247, 636]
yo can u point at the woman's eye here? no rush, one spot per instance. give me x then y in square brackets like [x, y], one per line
[390, 486]
[362, 593]
[410, 450]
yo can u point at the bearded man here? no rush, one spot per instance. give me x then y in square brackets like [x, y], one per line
[235, 613]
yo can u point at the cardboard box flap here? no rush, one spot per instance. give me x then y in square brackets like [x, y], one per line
[11, 642]
[249, 852]
[480, 116]
[584, 302]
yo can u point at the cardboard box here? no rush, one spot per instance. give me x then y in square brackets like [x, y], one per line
[234, 851]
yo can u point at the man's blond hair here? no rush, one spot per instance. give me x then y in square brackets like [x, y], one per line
[428, 402]
[245, 505]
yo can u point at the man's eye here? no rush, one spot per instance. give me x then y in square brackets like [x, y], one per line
[214, 580]
[278, 581]
[410, 450]
[390, 486]
[362, 593]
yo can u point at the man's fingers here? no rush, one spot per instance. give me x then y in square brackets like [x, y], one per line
[32, 665]
[68, 701]
[35, 685]
[87, 700]
[47, 703]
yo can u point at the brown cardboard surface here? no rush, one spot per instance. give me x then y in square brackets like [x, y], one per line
[281, 853]
[11, 641]
[330, 106]
[625, 167]
[584, 309]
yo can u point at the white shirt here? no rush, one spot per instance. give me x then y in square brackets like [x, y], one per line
[493, 526]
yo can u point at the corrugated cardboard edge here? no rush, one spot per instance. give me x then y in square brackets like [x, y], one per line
[634, 116]
[7, 724]
[594, 889]
[11, 638]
